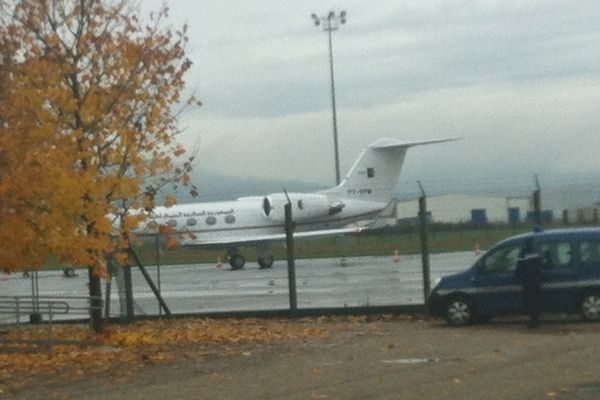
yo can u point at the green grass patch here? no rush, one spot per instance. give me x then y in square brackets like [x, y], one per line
[366, 244]
[405, 241]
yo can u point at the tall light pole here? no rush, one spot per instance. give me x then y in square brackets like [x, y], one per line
[331, 22]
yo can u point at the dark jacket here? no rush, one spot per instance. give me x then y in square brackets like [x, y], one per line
[529, 271]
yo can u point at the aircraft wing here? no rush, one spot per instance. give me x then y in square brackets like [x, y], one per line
[271, 237]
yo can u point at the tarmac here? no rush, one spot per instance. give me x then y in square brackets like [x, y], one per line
[204, 288]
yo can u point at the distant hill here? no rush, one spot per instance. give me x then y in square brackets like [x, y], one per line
[220, 187]
[557, 194]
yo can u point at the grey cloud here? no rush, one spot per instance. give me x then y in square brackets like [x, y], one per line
[518, 79]
[409, 52]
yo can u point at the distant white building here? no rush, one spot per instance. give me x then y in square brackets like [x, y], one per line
[582, 215]
[468, 209]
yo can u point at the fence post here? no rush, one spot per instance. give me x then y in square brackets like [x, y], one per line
[146, 276]
[50, 317]
[537, 202]
[18, 309]
[289, 241]
[157, 248]
[35, 317]
[128, 294]
[107, 297]
[424, 246]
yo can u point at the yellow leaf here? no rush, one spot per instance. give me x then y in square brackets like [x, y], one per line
[170, 201]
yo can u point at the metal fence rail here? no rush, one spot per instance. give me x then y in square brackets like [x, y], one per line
[38, 309]
[15, 307]
[51, 306]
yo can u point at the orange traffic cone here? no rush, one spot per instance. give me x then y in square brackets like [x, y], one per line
[396, 257]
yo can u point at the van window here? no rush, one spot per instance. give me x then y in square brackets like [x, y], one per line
[589, 252]
[501, 260]
[556, 254]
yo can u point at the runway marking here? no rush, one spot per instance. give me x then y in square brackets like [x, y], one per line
[419, 360]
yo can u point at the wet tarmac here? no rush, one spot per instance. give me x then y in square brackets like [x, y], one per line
[321, 283]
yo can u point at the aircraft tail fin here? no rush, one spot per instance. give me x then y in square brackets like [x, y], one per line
[375, 174]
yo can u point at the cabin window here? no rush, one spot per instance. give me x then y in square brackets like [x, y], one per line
[230, 219]
[300, 205]
[370, 172]
[191, 221]
[210, 220]
[172, 223]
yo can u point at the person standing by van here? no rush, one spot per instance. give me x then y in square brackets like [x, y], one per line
[529, 273]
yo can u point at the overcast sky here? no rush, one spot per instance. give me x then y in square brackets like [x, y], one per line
[518, 80]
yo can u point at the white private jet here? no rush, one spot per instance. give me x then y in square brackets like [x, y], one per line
[364, 194]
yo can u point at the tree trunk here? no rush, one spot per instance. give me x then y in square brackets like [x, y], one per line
[95, 290]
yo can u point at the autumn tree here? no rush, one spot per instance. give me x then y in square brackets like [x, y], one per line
[87, 129]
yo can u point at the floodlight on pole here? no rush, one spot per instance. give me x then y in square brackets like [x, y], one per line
[331, 22]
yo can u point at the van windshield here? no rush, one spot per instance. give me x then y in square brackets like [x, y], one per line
[502, 259]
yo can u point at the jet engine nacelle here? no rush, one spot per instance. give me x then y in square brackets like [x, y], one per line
[305, 206]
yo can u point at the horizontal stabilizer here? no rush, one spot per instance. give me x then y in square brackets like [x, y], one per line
[389, 143]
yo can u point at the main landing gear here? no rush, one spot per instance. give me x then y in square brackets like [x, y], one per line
[265, 261]
[237, 261]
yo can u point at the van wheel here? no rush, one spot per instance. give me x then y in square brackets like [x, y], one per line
[459, 311]
[590, 307]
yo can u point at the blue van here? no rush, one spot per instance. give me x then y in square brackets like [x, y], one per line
[571, 281]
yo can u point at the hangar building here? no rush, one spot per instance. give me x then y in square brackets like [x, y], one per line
[453, 208]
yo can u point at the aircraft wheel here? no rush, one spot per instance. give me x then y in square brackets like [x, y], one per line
[265, 261]
[237, 261]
